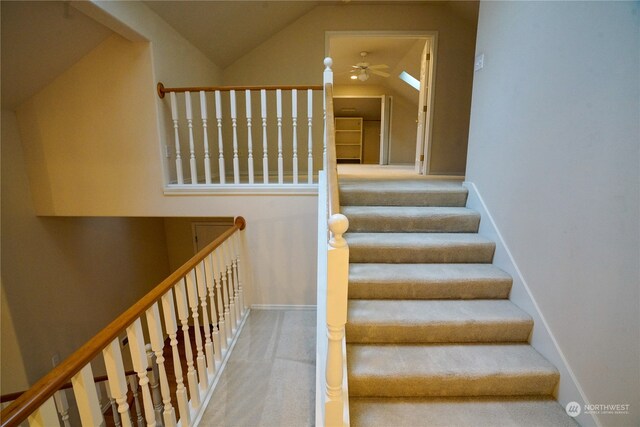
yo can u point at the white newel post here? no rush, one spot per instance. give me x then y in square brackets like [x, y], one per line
[337, 284]
[310, 137]
[279, 120]
[192, 147]
[327, 78]
[247, 94]
[265, 156]
[220, 145]
[176, 136]
[207, 157]
[294, 118]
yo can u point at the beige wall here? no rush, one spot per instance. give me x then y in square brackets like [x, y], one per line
[294, 55]
[13, 375]
[553, 150]
[64, 279]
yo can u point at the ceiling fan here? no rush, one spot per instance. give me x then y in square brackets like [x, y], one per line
[362, 70]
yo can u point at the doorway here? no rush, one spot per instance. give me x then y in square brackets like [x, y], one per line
[370, 64]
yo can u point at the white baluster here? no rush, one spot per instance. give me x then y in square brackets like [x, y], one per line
[45, 416]
[310, 137]
[154, 384]
[114, 408]
[209, 272]
[220, 145]
[133, 383]
[326, 78]
[265, 156]
[84, 390]
[234, 304]
[171, 326]
[156, 336]
[183, 315]
[294, 118]
[192, 293]
[176, 136]
[337, 280]
[139, 360]
[117, 385]
[279, 118]
[192, 148]
[230, 308]
[225, 295]
[247, 94]
[218, 271]
[62, 404]
[202, 294]
[234, 125]
[237, 245]
[205, 133]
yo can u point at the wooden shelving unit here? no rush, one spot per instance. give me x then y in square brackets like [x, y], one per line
[349, 139]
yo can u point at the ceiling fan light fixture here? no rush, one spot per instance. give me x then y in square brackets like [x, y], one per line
[354, 77]
[363, 76]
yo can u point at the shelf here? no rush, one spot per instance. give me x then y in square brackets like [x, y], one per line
[349, 139]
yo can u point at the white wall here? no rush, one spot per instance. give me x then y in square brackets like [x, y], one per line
[64, 279]
[554, 152]
[294, 56]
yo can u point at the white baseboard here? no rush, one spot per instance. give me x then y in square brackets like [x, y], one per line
[282, 307]
[542, 338]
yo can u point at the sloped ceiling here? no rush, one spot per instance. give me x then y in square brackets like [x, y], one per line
[226, 30]
[40, 40]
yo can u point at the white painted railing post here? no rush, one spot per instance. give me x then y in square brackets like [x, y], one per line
[192, 293]
[183, 315]
[337, 284]
[294, 118]
[210, 278]
[84, 389]
[327, 78]
[192, 148]
[247, 94]
[227, 280]
[310, 137]
[171, 325]
[176, 136]
[202, 294]
[114, 408]
[117, 386]
[154, 383]
[218, 272]
[236, 248]
[45, 416]
[62, 404]
[265, 156]
[205, 133]
[140, 365]
[279, 120]
[157, 343]
[234, 127]
[220, 145]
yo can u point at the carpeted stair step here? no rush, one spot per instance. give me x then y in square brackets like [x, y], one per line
[427, 281]
[419, 248]
[411, 219]
[420, 370]
[436, 321]
[377, 192]
[458, 412]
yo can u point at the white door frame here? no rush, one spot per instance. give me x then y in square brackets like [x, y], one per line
[432, 36]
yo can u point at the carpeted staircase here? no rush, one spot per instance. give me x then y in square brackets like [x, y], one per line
[432, 339]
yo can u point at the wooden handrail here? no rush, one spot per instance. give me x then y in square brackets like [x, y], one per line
[332, 171]
[32, 399]
[162, 90]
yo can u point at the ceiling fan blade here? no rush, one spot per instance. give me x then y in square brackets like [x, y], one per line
[380, 73]
[355, 67]
[378, 67]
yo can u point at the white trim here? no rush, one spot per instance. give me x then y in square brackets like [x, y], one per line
[542, 338]
[205, 401]
[282, 307]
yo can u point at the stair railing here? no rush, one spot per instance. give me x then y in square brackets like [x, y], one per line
[205, 298]
[332, 398]
[239, 155]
